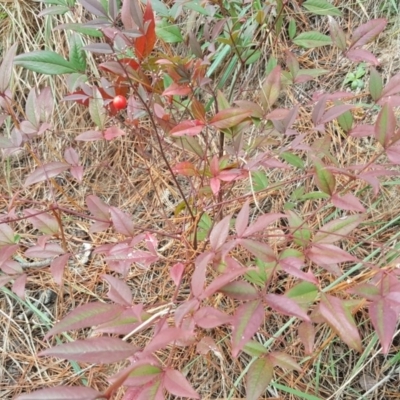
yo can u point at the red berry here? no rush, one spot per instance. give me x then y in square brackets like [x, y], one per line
[119, 102]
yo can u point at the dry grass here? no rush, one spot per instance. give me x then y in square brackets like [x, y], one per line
[118, 174]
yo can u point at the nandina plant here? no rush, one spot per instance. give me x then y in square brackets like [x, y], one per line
[232, 248]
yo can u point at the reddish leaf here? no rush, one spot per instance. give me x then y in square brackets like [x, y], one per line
[256, 110]
[185, 308]
[306, 334]
[46, 251]
[337, 229]
[366, 32]
[198, 110]
[215, 185]
[185, 168]
[230, 117]
[119, 291]
[261, 223]
[86, 316]
[392, 87]
[246, 321]
[62, 393]
[57, 267]
[358, 55]
[151, 391]
[113, 132]
[46, 171]
[94, 7]
[340, 319]
[176, 273]
[219, 233]
[7, 251]
[284, 361]
[271, 88]
[362, 131]
[334, 112]
[327, 254]
[205, 345]
[258, 378]
[71, 156]
[261, 250]
[384, 319]
[124, 323]
[347, 202]
[337, 35]
[318, 110]
[6, 68]
[90, 136]
[209, 317]
[131, 15]
[240, 290]
[177, 90]
[222, 281]
[189, 127]
[18, 286]
[177, 384]
[6, 235]
[44, 222]
[97, 207]
[292, 265]
[4, 279]
[144, 45]
[104, 350]
[199, 275]
[164, 338]
[122, 222]
[286, 306]
[393, 153]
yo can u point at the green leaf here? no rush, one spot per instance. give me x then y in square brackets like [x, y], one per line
[245, 323]
[168, 33]
[314, 196]
[254, 349]
[271, 88]
[258, 377]
[301, 231]
[321, 7]
[324, 178]
[260, 180]
[292, 28]
[229, 117]
[375, 84]
[204, 226]
[271, 64]
[96, 109]
[346, 120]
[252, 57]
[79, 28]
[385, 125]
[292, 159]
[77, 57]
[303, 293]
[337, 229]
[312, 39]
[45, 62]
